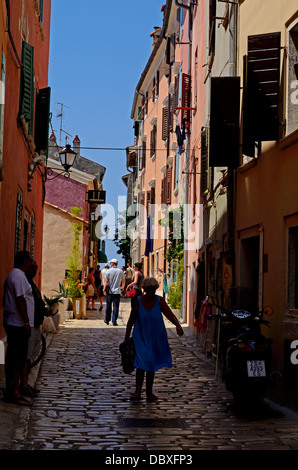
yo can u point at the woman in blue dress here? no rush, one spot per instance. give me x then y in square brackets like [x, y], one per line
[150, 337]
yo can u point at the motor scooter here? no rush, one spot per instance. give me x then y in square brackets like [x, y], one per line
[244, 353]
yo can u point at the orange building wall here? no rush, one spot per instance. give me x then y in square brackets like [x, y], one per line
[16, 153]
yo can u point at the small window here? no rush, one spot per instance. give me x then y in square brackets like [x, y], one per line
[41, 11]
[293, 268]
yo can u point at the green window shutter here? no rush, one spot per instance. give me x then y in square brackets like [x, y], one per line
[42, 120]
[40, 11]
[27, 85]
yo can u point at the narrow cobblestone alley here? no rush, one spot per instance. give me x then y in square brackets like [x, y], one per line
[84, 403]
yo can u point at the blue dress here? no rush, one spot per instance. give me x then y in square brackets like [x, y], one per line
[151, 339]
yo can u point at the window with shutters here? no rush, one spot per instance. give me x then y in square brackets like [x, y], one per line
[142, 209]
[148, 202]
[26, 231]
[18, 227]
[204, 161]
[292, 100]
[169, 185]
[212, 25]
[27, 85]
[153, 141]
[142, 162]
[41, 11]
[165, 123]
[261, 91]
[163, 190]
[185, 101]
[177, 167]
[155, 86]
[42, 120]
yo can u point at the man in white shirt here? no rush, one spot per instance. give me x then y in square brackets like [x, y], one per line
[18, 321]
[115, 283]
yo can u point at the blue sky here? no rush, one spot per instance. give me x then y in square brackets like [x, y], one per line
[98, 51]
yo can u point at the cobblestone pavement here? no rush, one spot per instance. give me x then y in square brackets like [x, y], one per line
[84, 403]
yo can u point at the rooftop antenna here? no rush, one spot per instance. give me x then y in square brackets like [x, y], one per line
[61, 121]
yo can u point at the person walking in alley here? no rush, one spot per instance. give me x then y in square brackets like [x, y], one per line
[40, 311]
[114, 284]
[137, 281]
[98, 286]
[102, 281]
[129, 275]
[18, 320]
[150, 337]
[91, 290]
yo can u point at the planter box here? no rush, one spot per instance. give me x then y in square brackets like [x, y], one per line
[79, 307]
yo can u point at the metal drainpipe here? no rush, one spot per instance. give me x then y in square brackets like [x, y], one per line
[184, 302]
[10, 35]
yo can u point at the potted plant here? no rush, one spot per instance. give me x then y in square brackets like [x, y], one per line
[64, 302]
[74, 288]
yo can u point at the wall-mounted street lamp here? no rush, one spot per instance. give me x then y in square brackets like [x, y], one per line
[67, 159]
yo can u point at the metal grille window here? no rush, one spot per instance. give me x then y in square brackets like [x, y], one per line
[18, 229]
[32, 243]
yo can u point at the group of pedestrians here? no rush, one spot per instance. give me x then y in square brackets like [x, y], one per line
[24, 312]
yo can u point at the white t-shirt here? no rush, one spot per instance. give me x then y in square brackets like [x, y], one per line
[17, 285]
[103, 276]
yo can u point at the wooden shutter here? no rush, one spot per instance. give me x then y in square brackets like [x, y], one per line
[165, 123]
[41, 11]
[153, 141]
[169, 185]
[186, 88]
[42, 120]
[224, 122]
[143, 108]
[212, 23]
[148, 202]
[157, 83]
[176, 93]
[163, 191]
[171, 113]
[204, 161]
[170, 51]
[261, 111]
[144, 154]
[146, 103]
[27, 85]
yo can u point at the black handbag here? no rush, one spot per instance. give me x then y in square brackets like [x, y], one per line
[128, 354]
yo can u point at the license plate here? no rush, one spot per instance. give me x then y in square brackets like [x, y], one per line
[256, 369]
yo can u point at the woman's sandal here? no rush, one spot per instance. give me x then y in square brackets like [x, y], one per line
[135, 397]
[18, 401]
[152, 397]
